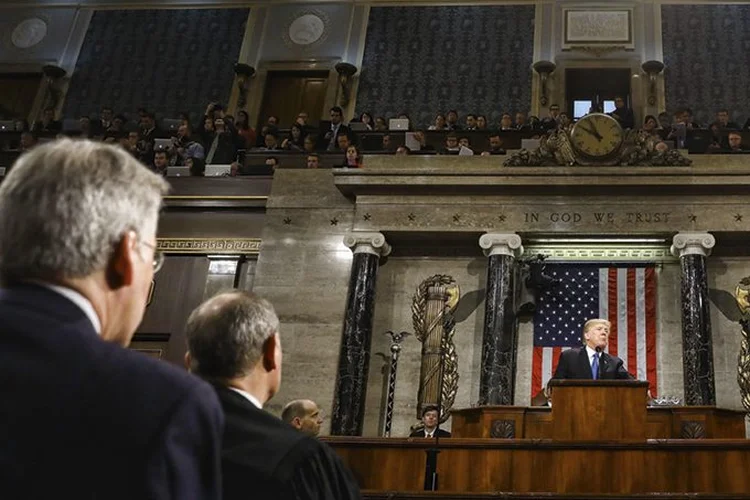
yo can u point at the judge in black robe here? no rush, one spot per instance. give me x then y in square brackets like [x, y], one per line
[262, 456]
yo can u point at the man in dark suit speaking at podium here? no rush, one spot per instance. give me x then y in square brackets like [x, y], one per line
[590, 361]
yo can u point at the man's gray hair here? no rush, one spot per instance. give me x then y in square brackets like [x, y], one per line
[66, 204]
[226, 334]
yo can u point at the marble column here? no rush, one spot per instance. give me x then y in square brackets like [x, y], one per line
[697, 347]
[499, 339]
[354, 355]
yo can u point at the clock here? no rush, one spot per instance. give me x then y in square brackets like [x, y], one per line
[597, 137]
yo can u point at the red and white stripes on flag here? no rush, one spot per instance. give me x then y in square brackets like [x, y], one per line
[627, 298]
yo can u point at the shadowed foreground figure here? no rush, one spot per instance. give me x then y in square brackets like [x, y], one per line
[234, 342]
[82, 417]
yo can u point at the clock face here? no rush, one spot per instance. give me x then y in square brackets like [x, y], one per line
[597, 135]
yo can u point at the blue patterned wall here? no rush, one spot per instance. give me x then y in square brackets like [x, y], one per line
[421, 60]
[167, 61]
[705, 54]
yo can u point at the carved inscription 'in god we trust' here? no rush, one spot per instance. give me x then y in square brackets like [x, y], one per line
[598, 217]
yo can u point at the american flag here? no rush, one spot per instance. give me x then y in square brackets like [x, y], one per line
[626, 296]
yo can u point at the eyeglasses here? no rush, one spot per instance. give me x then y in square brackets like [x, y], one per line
[158, 256]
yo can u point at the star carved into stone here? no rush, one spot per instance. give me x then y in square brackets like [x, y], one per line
[693, 217]
[501, 217]
[334, 221]
[737, 217]
[287, 220]
[412, 217]
[367, 217]
[456, 217]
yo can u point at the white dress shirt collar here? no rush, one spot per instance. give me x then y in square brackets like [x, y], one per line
[82, 302]
[249, 397]
[591, 353]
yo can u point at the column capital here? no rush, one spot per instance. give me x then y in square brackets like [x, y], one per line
[362, 242]
[501, 244]
[692, 244]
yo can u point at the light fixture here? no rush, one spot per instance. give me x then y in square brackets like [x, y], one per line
[652, 69]
[545, 69]
[244, 72]
[346, 71]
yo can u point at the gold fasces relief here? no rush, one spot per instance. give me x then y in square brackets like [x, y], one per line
[432, 315]
[223, 246]
[742, 297]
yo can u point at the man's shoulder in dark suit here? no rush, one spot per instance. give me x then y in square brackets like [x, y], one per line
[264, 457]
[440, 433]
[74, 402]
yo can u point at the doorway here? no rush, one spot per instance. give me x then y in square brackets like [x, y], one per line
[289, 92]
[587, 88]
[17, 94]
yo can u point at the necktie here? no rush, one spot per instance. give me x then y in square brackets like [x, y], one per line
[595, 367]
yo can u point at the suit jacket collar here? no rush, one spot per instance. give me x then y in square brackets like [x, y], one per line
[49, 303]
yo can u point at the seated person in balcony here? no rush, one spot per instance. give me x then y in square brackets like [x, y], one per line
[309, 144]
[100, 126]
[439, 124]
[28, 141]
[132, 144]
[48, 124]
[471, 121]
[735, 142]
[563, 121]
[272, 122]
[521, 122]
[506, 122]
[303, 415]
[197, 166]
[337, 128]
[423, 146]
[387, 144]
[430, 415]
[496, 145]
[722, 118]
[464, 142]
[161, 162]
[245, 132]
[353, 158]
[313, 160]
[380, 124]
[451, 120]
[344, 140]
[650, 125]
[271, 140]
[481, 122]
[185, 147]
[296, 139]
[623, 114]
[222, 148]
[84, 124]
[550, 121]
[366, 118]
[273, 162]
[590, 361]
[451, 145]
[403, 151]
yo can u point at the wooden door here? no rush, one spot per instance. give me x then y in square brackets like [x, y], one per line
[17, 94]
[289, 92]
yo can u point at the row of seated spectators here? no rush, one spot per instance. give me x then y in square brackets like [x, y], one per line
[221, 139]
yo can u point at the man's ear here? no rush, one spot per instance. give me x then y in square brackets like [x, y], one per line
[120, 268]
[188, 360]
[269, 353]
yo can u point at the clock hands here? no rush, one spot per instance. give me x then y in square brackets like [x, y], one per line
[593, 132]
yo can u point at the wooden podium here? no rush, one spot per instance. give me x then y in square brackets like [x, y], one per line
[596, 410]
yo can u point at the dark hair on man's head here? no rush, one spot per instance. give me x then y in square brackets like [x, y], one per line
[337, 109]
[273, 132]
[430, 408]
[274, 159]
[313, 155]
[494, 133]
[471, 115]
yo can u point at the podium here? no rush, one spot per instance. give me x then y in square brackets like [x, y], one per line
[598, 410]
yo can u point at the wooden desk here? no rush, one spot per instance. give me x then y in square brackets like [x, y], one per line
[541, 465]
[535, 422]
